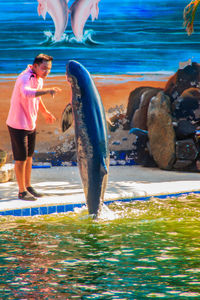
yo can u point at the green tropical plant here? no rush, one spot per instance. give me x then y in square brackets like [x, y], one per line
[189, 15]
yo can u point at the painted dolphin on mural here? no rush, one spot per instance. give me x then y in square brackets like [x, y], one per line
[80, 12]
[90, 134]
[58, 10]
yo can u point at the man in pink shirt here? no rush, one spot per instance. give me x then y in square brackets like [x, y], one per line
[25, 103]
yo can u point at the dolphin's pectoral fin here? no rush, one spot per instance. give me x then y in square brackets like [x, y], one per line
[42, 8]
[67, 117]
[103, 168]
[94, 11]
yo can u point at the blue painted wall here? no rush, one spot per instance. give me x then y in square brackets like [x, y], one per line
[128, 37]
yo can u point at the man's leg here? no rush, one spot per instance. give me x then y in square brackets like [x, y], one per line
[31, 147]
[21, 175]
[28, 169]
[20, 167]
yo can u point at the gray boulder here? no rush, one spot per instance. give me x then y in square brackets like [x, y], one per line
[161, 132]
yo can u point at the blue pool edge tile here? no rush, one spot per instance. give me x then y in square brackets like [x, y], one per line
[63, 208]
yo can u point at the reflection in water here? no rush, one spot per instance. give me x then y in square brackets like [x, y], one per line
[149, 250]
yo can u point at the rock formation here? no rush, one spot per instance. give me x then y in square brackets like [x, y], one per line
[171, 117]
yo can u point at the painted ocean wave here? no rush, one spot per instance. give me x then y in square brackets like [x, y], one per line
[68, 39]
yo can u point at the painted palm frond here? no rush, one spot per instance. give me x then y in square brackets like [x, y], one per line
[189, 15]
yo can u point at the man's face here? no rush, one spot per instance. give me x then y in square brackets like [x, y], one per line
[43, 69]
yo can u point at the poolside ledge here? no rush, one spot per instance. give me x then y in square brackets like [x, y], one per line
[63, 191]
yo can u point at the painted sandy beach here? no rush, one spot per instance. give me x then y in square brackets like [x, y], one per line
[114, 91]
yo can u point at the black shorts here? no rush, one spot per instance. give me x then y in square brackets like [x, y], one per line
[23, 143]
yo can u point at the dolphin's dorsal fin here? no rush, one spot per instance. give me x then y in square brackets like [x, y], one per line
[104, 169]
[67, 117]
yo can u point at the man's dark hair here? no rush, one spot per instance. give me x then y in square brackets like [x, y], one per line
[40, 58]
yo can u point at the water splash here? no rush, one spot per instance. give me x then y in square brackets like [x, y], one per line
[107, 214]
[116, 211]
[69, 39]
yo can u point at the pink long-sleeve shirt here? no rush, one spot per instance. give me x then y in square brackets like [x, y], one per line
[24, 105]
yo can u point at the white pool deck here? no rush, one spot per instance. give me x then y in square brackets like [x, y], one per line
[63, 191]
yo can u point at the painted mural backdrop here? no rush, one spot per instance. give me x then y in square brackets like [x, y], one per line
[126, 37]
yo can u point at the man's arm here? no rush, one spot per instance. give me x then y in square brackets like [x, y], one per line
[47, 115]
[28, 91]
[51, 91]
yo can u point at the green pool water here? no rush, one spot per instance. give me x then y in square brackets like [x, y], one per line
[139, 250]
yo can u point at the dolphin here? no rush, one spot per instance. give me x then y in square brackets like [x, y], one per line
[91, 134]
[80, 12]
[58, 10]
